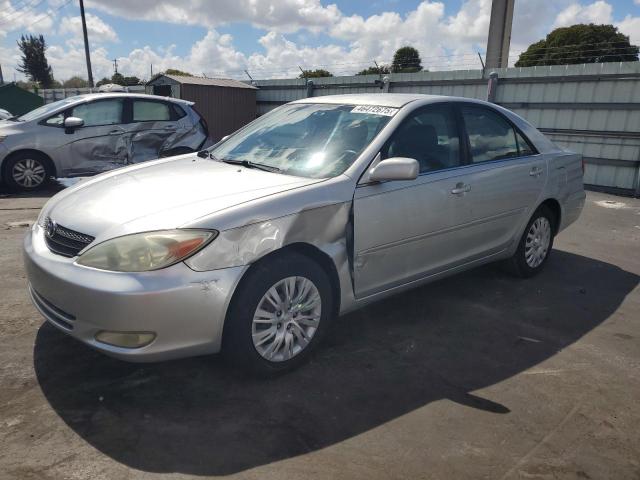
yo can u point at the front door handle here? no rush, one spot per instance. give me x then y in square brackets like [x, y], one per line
[115, 132]
[461, 188]
[535, 171]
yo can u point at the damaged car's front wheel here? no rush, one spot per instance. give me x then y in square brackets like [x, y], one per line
[278, 315]
[26, 171]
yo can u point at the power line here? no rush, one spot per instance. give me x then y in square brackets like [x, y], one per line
[22, 12]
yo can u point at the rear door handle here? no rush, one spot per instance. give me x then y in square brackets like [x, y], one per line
[461, 188]
[171, 127]
[535, 171]
[116, 132]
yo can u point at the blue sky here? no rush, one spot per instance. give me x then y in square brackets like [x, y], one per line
[271, 38]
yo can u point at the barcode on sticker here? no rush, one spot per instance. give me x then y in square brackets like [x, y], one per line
[375, 110]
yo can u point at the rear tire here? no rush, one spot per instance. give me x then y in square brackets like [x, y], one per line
[535, 245]
[26, 171]
[278, 315]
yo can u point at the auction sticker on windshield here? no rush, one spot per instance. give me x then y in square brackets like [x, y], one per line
[375, 110]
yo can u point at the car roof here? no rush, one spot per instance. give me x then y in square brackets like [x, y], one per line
[395, 100]
[94, 96]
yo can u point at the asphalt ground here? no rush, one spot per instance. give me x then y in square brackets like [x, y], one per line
[480, 375]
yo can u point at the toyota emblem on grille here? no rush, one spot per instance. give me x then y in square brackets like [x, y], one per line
[50, 228]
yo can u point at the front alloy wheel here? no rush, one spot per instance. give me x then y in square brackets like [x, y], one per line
[28, 173]
[286, 319]
[278, 314]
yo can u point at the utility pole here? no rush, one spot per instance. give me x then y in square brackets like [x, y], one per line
[115, 66]
[499, 34]
[86, 44]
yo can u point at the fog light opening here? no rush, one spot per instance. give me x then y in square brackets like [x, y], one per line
[125, 339]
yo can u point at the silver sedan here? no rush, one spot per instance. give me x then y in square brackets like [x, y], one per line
[318, 208]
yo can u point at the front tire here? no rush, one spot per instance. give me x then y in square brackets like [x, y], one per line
[535, 245]
[279, 314]
[26, 171]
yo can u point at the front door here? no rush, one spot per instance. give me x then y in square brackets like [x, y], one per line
[99, 145]
[405, 230]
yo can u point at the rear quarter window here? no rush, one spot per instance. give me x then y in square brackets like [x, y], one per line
[146, 111]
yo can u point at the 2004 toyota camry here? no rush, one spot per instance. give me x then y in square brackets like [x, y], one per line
[315, 209]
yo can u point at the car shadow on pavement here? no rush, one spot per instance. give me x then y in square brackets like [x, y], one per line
[440, 341]
[45, 192]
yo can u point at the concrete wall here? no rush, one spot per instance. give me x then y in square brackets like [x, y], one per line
[593, 109]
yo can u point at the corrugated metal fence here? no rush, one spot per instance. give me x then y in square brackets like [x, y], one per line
[593, 109]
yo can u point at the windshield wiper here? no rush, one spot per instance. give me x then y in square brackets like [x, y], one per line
[249, 164]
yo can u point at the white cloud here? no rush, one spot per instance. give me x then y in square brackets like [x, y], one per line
[280, 15]
[631, 26]
[97, 30]
[444, 41]
[599, 12]
[26, 17]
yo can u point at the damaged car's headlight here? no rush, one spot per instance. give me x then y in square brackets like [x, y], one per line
[142, 252]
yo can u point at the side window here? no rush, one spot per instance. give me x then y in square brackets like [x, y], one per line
[430, 136]
[102, 112]
[146, 111]
[178, 111]
[491, 137]
[55, 121]
[524, 147]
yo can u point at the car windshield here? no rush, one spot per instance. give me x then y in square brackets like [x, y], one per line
[45, 109]
[308, 140]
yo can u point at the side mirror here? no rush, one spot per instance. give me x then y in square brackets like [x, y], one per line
[73, 122]
[397, 168]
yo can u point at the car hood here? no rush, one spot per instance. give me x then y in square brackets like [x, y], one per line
[162, 195]
[9, 126]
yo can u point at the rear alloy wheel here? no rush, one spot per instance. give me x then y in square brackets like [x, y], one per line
[535, 245]
[26, 172]
[278, 315]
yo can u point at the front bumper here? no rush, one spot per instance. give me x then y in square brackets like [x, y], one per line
[184, 308]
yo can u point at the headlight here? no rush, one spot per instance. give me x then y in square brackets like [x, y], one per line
[142, 252]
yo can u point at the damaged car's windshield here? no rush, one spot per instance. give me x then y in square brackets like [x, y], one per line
[309, 140]
[45, 109]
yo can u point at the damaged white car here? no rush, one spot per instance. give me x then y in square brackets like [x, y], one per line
[93, 133]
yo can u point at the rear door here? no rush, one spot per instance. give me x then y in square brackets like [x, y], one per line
[506, 178]
[153, 128]
[98, 145]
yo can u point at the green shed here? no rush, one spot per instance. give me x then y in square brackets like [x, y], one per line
[17, 100]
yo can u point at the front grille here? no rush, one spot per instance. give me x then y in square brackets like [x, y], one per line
[64, 241]
[51, 312]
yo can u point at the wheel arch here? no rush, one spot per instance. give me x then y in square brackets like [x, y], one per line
[308, 250]
[555, 207]
[50, 164]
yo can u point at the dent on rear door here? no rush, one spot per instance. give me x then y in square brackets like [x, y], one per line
[150, 139]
